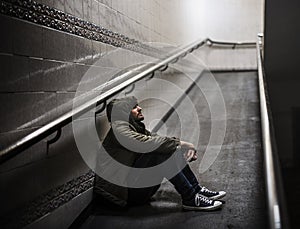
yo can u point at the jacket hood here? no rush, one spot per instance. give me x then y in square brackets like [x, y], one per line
[119, 109]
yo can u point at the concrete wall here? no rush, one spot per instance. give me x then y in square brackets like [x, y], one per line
[41, 67]
[223, 20]
[281, 54]
[282, 70]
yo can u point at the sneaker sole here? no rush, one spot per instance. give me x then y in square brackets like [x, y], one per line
[210, 208]
[217, 197]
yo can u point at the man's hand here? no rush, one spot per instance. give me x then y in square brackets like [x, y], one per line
[190, 152]
[190, 155]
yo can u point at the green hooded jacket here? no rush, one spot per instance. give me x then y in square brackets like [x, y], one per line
[124, 141]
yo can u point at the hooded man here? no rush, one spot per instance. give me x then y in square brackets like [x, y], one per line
[129, 144]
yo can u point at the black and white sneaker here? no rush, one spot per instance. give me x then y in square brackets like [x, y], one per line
[213, 195]
[201, 203]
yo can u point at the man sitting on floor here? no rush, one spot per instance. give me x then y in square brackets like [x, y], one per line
[130, 143]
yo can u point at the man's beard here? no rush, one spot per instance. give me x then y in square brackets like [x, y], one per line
[137, 123]
[139, 119]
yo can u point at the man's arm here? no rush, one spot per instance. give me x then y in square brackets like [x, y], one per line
[143, 143]
[190, 153]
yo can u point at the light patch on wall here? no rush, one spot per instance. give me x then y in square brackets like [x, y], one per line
[223, 20]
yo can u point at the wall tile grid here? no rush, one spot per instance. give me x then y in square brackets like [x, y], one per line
[43, 57]
[51, 56]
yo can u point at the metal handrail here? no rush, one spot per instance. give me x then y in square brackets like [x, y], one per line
[271, 166]
[57, 124]
[234, 44]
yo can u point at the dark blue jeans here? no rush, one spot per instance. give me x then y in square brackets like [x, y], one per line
[184, 181]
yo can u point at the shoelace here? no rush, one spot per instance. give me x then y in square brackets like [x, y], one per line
[204, 189]
[199, 199]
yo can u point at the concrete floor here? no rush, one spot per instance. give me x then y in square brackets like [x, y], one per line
[237, 169]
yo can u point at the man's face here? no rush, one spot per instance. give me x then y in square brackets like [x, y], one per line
[136, 113]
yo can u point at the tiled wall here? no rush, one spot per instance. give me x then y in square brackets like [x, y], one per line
[40, 70]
